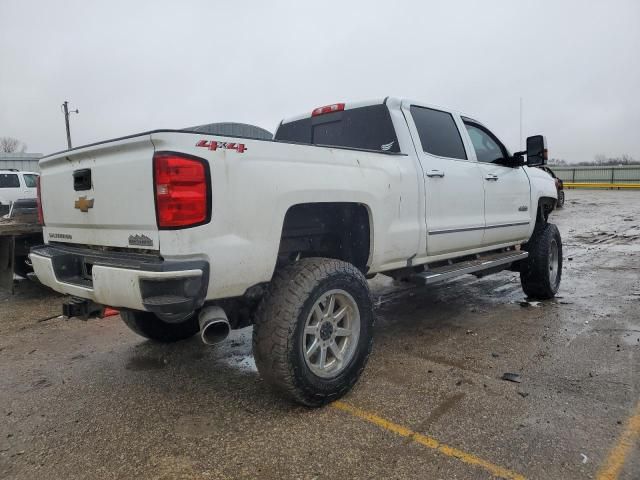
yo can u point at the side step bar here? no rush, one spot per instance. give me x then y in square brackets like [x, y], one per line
[486, 262]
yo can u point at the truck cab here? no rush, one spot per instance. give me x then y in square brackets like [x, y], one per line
[471, 193]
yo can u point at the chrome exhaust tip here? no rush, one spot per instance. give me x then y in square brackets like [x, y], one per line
[214, 325]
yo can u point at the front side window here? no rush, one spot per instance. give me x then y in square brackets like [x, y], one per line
[438, 133]
[9, 180]
[487, 148]
[30, 180]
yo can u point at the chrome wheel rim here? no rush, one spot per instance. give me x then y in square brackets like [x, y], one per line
[331, 333]
[553, 263]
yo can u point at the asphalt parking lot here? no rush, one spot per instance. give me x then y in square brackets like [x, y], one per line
[93, 400]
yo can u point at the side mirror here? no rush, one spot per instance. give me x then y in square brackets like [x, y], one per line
[536, 150]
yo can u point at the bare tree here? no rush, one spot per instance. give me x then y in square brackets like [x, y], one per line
[605, 160]
[11, 145]
[557, 161]
[600, 159]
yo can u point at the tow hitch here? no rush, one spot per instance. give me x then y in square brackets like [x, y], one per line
[82, 308]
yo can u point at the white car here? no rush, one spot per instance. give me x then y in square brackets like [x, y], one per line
[16, 185]
[187, 232]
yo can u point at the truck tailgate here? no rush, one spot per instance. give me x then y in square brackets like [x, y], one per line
[101, 195]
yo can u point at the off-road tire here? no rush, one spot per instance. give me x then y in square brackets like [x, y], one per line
[560, 202]
[279, 326]
[148, 325]
[534, 273]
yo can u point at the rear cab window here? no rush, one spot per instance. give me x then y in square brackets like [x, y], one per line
[9, 180]
[438, 133]
[363, 128]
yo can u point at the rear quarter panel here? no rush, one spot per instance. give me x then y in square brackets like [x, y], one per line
[252, 191]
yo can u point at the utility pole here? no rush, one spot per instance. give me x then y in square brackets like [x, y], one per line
[65, 109]
[521, 147]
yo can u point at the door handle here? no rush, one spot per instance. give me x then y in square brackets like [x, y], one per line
[435, 173]
[491, 176]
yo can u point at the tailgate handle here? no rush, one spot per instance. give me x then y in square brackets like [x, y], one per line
[82, 179]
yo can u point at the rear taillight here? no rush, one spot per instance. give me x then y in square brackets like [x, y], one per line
[336, 107]
[39, 201]
[182, 190]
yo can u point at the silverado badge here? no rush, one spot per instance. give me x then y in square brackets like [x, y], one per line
[140, 241]
[83, 204]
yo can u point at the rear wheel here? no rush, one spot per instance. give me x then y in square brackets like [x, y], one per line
[560, 202]
[313, 331]
[541, 272]
[171, 329]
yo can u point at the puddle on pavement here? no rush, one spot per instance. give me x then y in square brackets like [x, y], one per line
[243, 363]
[236, 351]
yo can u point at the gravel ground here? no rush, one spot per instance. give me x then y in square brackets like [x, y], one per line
[93, 400]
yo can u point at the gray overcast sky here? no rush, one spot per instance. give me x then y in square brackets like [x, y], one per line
[131, 66]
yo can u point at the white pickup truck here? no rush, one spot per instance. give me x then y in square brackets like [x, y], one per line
[186, 232]
[16, 185]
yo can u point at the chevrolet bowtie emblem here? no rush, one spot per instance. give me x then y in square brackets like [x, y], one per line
[83, 204]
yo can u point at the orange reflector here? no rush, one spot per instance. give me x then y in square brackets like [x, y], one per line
[110, 312]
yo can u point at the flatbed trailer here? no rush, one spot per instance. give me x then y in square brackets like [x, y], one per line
[17, 236]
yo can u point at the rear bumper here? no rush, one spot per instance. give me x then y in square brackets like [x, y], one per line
[123, 280]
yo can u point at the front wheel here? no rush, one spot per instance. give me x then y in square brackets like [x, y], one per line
[541, 272]
[560, 202]
[149, 325]
[313, 330]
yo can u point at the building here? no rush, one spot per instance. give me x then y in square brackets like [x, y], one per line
[20, 161]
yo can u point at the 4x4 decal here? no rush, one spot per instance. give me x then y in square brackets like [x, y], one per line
[215, 145]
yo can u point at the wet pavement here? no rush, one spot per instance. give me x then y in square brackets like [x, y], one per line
[93, 400]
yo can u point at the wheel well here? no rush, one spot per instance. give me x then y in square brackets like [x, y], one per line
[545, 207]
[332, 230]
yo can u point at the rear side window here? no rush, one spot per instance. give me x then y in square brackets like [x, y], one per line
[438, 133]
[30, 180]
[9, 180]
[367, 128]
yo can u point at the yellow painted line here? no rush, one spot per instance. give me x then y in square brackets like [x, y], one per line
[600, 185]
[428, 442]
[618, 454]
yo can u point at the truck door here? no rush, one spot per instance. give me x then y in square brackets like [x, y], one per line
[454, 193]
[507, 209]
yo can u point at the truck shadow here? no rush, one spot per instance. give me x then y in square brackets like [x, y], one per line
[430, 324]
